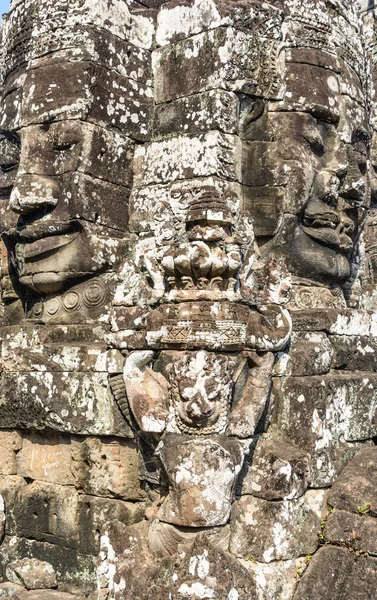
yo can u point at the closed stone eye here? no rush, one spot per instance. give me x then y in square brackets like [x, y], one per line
[315, 141]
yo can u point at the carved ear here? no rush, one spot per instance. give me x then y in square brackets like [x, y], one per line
[250, 111]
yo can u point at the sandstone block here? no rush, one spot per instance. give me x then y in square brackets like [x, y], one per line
[10, 444]
[71, 90]
[262, 165]
[271, 531]
[356, 487]
[88, 43]
[95, 512]
[309, 354]
[323, 415]
[213, 110]
[21, 353]
[74, 334]
[359, 532]
[212, 59]
[9, 487]
[274, 581]
[205, 155]
[353, 322]
[265, 205]
[46, 458]
[139, 28]
[12, 114]
[278, 471]
[354, 353]
[2, 519]
[91, 197]
[47, 512]
[128, 318]
[46, 595]
[107, 468]
[31, 573]
[75, 572]
[345, 322]
[176, 21]
[335, 574]
[84, 404]
[8, 589]
[203, 66]
[305, 81]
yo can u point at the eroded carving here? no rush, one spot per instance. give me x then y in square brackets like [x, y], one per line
[187, 292]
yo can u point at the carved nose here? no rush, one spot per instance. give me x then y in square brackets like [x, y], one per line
[345, 229]
[199, 407]
[33, 193]
[337, 162]
[327, 185]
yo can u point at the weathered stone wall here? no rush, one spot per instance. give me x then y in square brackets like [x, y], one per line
[188, 295]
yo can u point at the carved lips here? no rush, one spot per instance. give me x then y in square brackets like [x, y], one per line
[47, 254]
[47, 245]
[36, 241]
[329, 229]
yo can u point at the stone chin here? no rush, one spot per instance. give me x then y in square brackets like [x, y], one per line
[309, 258]
[310, 254]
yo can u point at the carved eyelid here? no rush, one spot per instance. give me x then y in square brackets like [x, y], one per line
[313, 137]
[324, 115]
[10, 136]
[61, 146]
[9, 154]
[63, 140]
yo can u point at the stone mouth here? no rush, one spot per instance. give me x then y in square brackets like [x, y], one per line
[44, 245]
[42, 229]
[329, 237]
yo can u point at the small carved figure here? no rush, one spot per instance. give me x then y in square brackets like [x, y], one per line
[201, 391]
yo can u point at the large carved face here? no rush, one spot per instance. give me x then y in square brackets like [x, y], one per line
[67, 183]
[307, 165]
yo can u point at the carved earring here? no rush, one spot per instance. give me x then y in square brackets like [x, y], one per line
[251, 109]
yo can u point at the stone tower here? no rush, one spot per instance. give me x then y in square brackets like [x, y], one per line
[188, 206]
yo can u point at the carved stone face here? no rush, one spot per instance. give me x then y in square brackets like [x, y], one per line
[61, 232]
[313, 162]
[69, 189]
[201, 392]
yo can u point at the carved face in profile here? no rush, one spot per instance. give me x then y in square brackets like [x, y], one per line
[201, 391]
[66, 180]
[306, 167]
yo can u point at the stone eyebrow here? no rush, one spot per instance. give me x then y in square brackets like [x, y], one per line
[323, 113]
